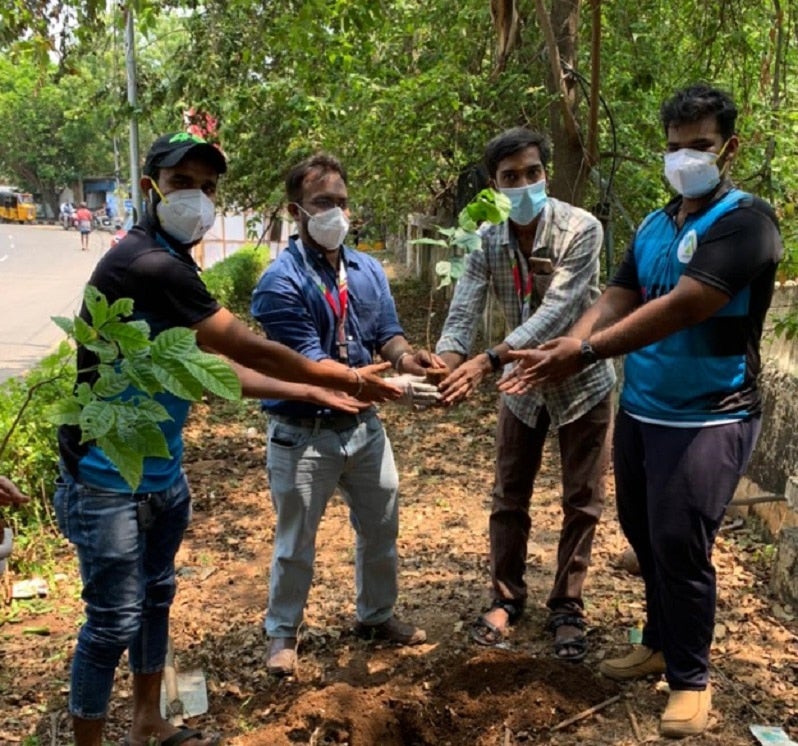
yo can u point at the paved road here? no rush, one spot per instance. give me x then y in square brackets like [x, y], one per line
[42, 274]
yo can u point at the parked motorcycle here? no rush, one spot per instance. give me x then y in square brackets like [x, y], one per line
[102, 222]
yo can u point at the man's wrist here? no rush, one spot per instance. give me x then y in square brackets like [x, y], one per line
[398, 362]
[494, 360]
[587, 354]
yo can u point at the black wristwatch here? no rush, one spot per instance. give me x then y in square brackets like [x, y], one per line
[587, 353]
[495, 360]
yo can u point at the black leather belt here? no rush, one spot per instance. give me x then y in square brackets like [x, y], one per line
[337, 422]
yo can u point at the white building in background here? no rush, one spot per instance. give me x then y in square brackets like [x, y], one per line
[231, 231]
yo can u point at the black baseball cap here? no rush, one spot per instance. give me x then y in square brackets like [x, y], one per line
[169, 150]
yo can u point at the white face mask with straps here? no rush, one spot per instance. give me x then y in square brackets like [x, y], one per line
[185, 214]
[329, 228]
[693, 173]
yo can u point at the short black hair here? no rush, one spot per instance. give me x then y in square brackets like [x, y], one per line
[510, 142]
[324, 163]
[696, 102]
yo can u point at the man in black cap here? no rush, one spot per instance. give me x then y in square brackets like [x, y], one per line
[127, 542]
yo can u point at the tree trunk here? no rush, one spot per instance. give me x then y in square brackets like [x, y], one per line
[569, 167]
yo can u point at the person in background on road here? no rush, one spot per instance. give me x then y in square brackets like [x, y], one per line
[542, 265]
[10, 494]
[84, 218]
[332, 304]
[126, 543]
[686, 307]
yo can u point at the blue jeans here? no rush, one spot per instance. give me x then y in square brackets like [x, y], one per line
[305, 465]
[128, 579]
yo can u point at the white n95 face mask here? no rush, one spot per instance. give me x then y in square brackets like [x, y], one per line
[329, 228]
[692, 173]
[186, 214]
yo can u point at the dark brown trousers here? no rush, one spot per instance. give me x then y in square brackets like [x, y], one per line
[584, 451]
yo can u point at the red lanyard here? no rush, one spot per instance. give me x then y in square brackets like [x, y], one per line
[525, 295]
[339, 308]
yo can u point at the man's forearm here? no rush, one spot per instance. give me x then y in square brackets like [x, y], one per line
[613, 305]
[394, 349]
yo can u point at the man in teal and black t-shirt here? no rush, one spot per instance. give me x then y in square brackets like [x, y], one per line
[686, 307]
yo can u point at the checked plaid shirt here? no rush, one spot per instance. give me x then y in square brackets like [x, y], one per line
[562, 290]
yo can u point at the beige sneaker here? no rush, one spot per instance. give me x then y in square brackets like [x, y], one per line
[687, 713]
[642, 661]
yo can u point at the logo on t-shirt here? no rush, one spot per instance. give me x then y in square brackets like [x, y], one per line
[687, 247]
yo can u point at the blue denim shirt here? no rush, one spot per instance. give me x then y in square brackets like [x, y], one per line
[292, 310]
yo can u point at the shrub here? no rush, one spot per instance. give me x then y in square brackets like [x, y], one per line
[30, 456]
[232, 281]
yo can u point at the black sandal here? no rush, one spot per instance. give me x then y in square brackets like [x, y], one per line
[488, 634]
[572, 648]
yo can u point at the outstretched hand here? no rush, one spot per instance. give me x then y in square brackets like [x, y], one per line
[419, 362]
[552, 362]
[9, 494]
[337, 400]
[464, 380]
[373, 387]
[416, 392]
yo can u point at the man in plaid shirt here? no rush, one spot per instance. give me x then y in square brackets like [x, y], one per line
[542, 266]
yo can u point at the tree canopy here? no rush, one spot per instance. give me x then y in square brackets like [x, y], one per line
[408, 92]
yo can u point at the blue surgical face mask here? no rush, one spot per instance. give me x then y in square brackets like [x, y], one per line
[526, 202]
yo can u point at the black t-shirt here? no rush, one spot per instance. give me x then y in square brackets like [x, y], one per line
[163, 281]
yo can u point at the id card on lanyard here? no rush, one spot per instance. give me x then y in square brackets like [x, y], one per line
[338, 307]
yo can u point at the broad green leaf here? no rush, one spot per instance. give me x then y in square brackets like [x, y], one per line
[84, 333]
[130, 337]
[96, 304]
[489, 205]
[141, 376]
[64, 412]
[111, 383]
[470, 242]
[430, 242]
[96, 420]
[177, 342]
[458, 267]
[148, 439]
[215, 375]
[121, 307]
[66, 325]
[126, 459]
[106, 351]
[83, 394]
[446, 280]
[152, 410]
[443, 268]
[465, 222]
[176, 379]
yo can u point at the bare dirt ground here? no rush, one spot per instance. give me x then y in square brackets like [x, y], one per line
[448, 691]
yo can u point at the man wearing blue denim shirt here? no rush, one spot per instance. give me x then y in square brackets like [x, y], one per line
[127, 542]
[332, 304]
